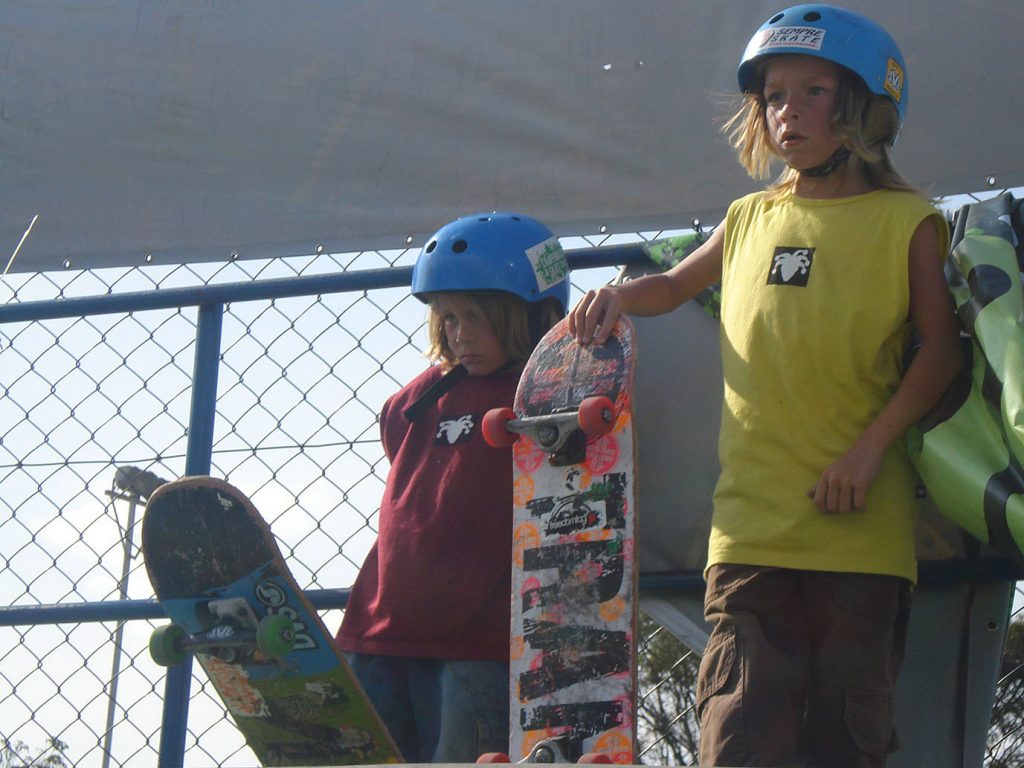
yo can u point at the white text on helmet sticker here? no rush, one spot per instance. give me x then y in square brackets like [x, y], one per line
[810, 38]
[549, 264]
[894, 79]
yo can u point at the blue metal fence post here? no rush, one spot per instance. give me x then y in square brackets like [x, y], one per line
[198, 460]
[199, 456]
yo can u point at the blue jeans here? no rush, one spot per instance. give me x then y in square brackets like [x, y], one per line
[438, 711]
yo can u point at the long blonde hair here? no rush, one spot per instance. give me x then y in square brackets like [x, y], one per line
[508, 316]
[866, 123]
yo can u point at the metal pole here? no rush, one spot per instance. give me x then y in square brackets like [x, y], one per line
[198, 459]
[108, 736]
[276, 288]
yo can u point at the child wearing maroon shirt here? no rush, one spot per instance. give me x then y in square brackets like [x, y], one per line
[427, 625]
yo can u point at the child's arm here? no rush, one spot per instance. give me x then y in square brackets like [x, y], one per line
[843, 486]
[595, 314]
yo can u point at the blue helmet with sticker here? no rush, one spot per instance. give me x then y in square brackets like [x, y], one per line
[837, 35]
[506, 252]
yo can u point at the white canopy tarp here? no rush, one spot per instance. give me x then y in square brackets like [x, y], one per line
[192, 130]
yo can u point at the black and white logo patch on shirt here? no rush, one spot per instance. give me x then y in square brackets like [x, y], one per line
[455, 430]
[791, 265]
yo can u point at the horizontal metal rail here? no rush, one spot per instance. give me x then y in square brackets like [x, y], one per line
[935, 573]
[272, 288]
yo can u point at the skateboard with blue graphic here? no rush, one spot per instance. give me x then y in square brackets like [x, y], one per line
[574, 573]
[221, 579]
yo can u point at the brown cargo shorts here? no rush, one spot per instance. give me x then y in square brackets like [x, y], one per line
[801, 667]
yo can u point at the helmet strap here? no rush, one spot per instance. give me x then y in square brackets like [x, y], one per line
[838, 158]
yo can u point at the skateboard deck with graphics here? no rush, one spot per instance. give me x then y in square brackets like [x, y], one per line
[220, 577]
[574, 575]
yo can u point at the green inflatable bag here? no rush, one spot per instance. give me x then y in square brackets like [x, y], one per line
[969, 450]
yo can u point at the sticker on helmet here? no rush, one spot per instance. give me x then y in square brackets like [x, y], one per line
[894, 80]
[811, 38]
[549, 264]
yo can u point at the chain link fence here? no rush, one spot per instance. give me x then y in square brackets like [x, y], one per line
[300, 383]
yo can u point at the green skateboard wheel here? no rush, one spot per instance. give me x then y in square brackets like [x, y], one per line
[164, 644]
[275, 636]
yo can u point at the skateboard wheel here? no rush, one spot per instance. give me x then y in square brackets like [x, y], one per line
[164, 644]
[275, 636]
[226, 654]
[494, 757]
[595, 757]
[495, 427]
[596, 416]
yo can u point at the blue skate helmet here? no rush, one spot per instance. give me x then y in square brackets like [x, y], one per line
[837, 35]
[506, 252]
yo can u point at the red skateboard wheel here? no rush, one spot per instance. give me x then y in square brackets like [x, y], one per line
[596, 416]
[494, 757]
[595, 757]
[495, 427]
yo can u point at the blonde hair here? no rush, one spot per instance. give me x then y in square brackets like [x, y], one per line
[508, 316]
[866, 123]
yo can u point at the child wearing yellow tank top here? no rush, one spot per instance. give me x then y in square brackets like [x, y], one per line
[825, 275]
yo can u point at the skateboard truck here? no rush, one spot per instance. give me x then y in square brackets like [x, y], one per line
[564, 749]
[560, 749]
[236, 631]
[562, 434]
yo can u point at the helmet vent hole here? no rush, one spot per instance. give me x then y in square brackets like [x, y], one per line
[459, 246]
[776, 18]
[430, 246]
[812, 16]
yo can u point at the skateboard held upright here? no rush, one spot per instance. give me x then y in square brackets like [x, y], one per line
[574, 574]
[220, 577]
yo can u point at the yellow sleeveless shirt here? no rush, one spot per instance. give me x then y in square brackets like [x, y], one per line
[815, 302]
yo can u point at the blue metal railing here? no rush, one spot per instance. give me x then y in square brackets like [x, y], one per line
[930, 574]
[274, 288]
[198, 459]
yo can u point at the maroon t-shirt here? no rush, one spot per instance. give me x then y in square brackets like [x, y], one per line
[437, 582]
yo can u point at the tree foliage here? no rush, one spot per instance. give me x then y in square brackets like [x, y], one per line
[17, 754]
[666, 718]
[1006, 733]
